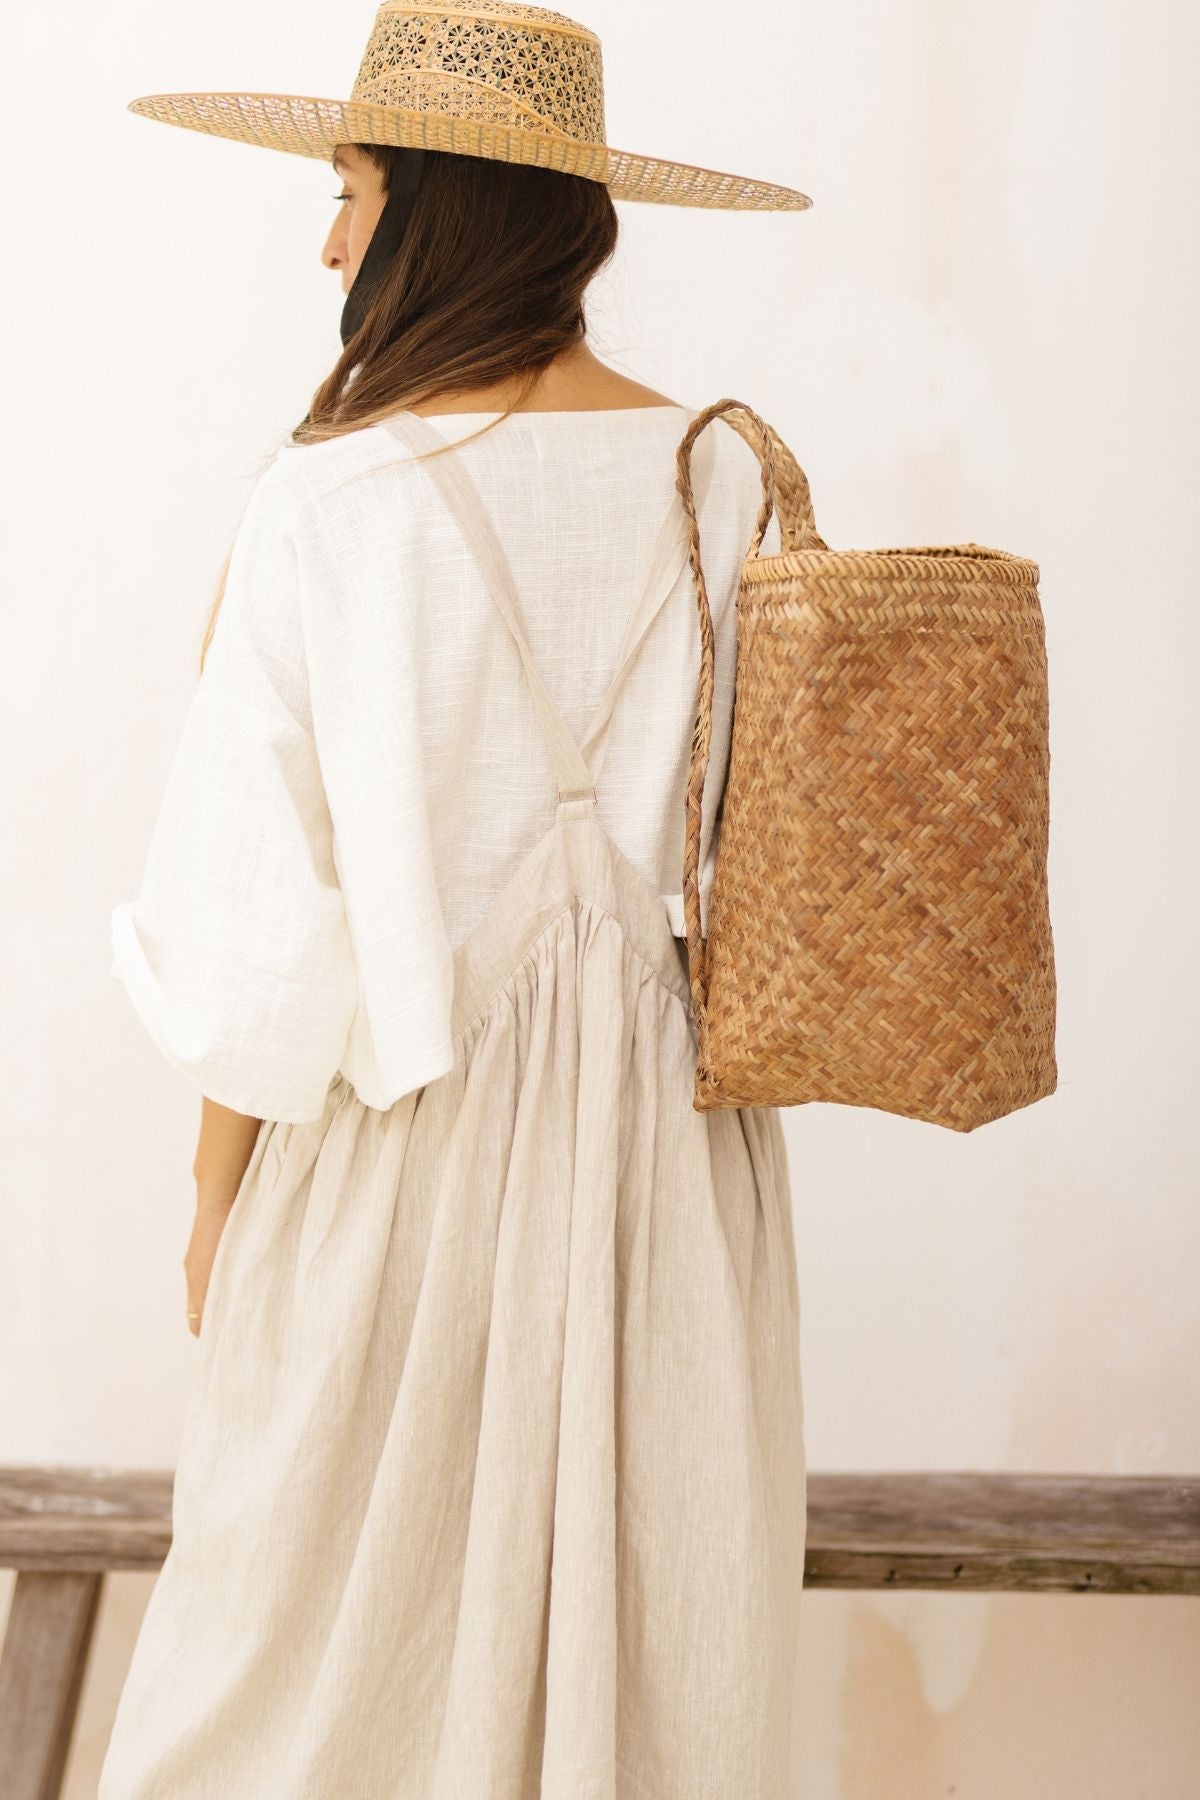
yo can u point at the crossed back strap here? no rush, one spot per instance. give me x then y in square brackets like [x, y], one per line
[576, 766]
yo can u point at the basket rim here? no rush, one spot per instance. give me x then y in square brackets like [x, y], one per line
[924, 556]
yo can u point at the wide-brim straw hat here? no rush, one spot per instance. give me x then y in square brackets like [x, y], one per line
[518, 83]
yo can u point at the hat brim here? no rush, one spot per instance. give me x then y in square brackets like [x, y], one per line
[300, 125]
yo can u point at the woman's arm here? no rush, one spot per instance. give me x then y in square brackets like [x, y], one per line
[236, 951]
[223, 1150]
[222, 1153]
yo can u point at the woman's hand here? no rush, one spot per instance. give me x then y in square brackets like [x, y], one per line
[213, 1206]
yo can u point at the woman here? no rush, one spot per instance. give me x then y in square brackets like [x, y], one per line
[491, 1480]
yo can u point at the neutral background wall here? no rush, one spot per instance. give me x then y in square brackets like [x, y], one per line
[984, 329]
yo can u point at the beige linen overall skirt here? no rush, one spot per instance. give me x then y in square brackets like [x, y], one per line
[492, 1483]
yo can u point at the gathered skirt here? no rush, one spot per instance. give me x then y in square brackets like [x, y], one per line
[491, 1483]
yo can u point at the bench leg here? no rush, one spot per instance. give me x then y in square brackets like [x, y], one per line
[41, 1675]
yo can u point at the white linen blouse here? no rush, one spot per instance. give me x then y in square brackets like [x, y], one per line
[361, 768]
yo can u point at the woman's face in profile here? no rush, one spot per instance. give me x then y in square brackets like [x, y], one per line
[359, 205]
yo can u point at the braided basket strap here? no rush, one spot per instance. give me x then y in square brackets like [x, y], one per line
[785, 491]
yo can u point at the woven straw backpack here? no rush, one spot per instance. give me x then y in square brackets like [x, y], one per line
[878, 930]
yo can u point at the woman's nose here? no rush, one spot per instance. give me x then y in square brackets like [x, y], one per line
[333, 252]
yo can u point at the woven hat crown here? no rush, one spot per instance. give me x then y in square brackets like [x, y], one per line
[496, 61]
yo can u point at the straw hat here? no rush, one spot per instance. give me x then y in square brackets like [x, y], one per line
[493, 78]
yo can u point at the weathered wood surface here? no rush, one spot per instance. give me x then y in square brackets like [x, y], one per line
[1107, 1534]
[41, 1675]
[1115, 1534]
[84, 1518]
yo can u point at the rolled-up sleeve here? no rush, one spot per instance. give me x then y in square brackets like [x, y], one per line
[236, 953]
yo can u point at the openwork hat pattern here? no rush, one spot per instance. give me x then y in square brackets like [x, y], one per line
[541, 73]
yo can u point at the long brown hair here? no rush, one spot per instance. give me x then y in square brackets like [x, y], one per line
[486, 287]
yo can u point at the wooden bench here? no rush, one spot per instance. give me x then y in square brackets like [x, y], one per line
[62, 1529]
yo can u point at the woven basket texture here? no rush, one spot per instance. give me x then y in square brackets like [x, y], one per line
[878, 932]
